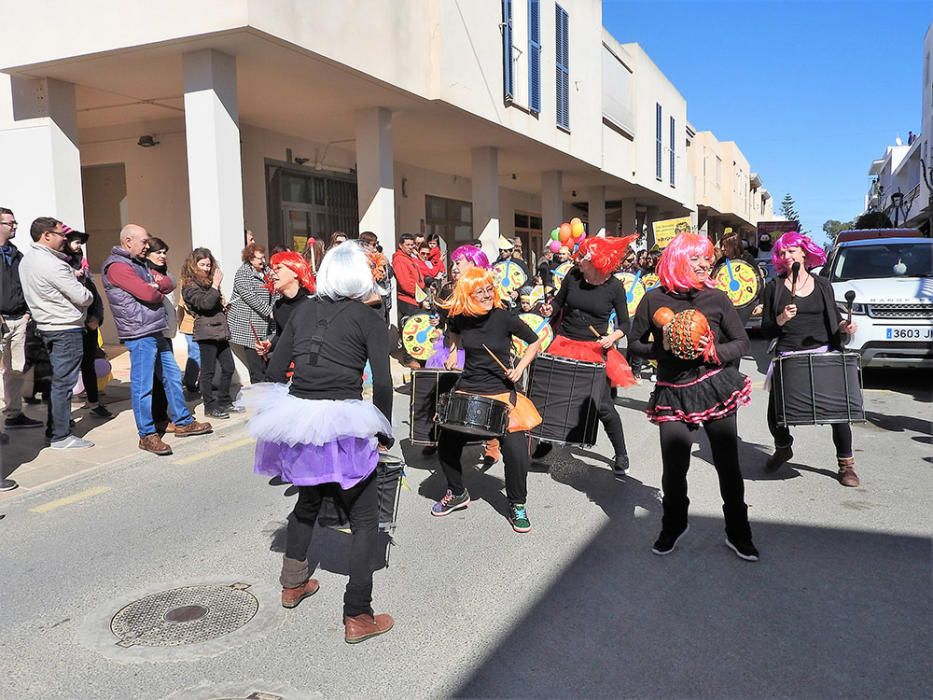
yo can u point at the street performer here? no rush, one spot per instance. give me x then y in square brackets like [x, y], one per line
[319, 434]
[478, 323]
[695, 334]
[805, 319]
[580, 314]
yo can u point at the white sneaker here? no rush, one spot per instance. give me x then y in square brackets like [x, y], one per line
[71, 442]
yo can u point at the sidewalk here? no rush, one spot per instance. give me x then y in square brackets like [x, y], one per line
[27, 460]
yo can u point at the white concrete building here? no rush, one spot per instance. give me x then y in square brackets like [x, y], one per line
[197, 119]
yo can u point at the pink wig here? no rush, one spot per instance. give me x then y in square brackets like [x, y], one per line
[813, 254]
[675, 269]
[471, 253]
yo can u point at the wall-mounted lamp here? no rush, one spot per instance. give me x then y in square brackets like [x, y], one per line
[514, 176]
[405, 189]
[147, 141]
[573, 193]
[302, 161]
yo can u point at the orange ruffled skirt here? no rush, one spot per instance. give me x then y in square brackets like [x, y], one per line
[617, 369]
[523, 415]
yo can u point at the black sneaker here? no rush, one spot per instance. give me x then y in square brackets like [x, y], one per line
[7, 484]
[32, 400]
[449, 503]
[217, 413]
[101, 412]
[743, 548]
[667, 541]
[620, 468]
[781, 456]
[542, 450]
[21, 421]
[232, 408]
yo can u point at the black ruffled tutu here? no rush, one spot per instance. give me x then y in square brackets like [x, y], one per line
[714, 395]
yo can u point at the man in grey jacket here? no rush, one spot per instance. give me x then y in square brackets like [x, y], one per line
[58, 303]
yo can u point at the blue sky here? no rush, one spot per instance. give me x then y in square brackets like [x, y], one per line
[811, 91]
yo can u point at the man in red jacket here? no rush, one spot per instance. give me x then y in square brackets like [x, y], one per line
[407, 276]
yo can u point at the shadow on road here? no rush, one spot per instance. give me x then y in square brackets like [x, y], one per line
[917, 383]
[825, 613]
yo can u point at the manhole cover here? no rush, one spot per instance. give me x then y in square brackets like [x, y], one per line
[184, 616]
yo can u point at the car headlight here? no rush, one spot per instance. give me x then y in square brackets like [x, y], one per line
[857, 309]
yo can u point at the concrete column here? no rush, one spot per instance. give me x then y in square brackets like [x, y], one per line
[375, 173]
[651, 215]
[485, 181]
[41, 170]
[597, 215]
[628, 219]
[215, 174]
[552, 203]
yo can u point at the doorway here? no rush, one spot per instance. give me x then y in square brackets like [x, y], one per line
[528, 229]
[103, 189]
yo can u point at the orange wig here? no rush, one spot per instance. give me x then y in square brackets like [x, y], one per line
[462, 302]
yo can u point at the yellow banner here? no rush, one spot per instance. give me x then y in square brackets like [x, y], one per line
[667, 229]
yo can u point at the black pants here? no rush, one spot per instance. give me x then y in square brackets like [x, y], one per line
[676, 440]
[515, 455]
[609, 417]
[255, 365]
[159, 400]
[88, 373]
[842, 432]
[215, 352]
[362, 504]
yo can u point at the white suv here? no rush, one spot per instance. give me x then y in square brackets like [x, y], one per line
[893, 283]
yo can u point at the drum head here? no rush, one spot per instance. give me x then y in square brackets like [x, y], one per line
[473, 415]
[557, 276]
[542, 329]
[419, 336]
[510, 275]
[740, 281]
[651, 280]
[634, 289]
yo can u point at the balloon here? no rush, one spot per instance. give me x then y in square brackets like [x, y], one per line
[554, 246]
[575, 220]
[565, 233]
[101, 367]
[576, 230]
[555, 234]
[582, 236]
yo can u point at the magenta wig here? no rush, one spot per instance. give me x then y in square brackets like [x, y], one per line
[471, 253]
[675, 269]
[813, 254]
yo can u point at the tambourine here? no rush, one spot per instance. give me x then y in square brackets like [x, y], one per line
[739, 280]
[419, 336]
[511, 277]
[558, 274]
[634, 289]
[542, 328]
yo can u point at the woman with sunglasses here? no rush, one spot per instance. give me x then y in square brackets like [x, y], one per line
[479, 324]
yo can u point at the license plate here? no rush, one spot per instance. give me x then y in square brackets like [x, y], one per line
[909, 334]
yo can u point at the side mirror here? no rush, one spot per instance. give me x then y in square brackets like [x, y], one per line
[818, 270]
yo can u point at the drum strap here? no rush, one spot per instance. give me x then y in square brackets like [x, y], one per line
[317, 339]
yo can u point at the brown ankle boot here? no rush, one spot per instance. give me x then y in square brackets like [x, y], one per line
[292, 596]
[847, 475]
[359, 628]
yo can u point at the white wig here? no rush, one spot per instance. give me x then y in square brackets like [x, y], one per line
[345, 273]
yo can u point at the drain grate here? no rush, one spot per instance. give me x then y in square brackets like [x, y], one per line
[183, 616]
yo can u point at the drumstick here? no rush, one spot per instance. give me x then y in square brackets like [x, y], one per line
[493, 356]
[596, 332]
[258, 341]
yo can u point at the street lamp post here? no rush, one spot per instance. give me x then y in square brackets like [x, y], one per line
[928, 181]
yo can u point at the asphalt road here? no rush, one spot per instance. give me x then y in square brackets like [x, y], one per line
[838, 606]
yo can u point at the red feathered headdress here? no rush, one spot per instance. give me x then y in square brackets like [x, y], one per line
[297, 264]
[604, 253]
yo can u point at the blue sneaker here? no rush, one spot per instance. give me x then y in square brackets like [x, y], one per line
[449, 503]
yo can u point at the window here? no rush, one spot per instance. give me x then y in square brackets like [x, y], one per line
[657, 145]
[507, 84]
[718, 181]
[451, 219]
[563, 67]
[534, 56]
[673, 151]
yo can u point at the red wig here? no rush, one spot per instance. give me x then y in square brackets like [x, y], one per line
[675, 269]
[604, 253]
[297, 264]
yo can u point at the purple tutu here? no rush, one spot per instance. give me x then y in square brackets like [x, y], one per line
[441, 353]
[345, 461]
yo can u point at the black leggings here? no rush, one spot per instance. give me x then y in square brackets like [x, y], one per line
[88, 373]
[609, 417]
[215, 352]
[255, 365]
[362, 504]
[515, 455]
[676, 440]
[842, 432]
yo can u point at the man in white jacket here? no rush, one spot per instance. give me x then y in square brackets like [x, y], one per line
[58, 303]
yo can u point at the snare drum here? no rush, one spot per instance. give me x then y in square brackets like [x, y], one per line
[427, 386]
[567, 394]
[817, 388]
[473, 414]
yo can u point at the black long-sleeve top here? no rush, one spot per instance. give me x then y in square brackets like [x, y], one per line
[355, 333]
[282, 311]
[579, 305]
[777, 296]
[729, 334]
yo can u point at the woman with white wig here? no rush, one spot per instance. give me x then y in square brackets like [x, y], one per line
[318, 434]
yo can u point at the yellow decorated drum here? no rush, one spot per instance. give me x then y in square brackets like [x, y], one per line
[511, 276]
[557, 276]
[540, 326]
[634, 289]
[740, 281]
[419, 336]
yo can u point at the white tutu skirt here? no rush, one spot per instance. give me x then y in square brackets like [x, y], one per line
[313, 441]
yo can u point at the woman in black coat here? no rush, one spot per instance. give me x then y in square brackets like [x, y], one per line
[200, 279]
